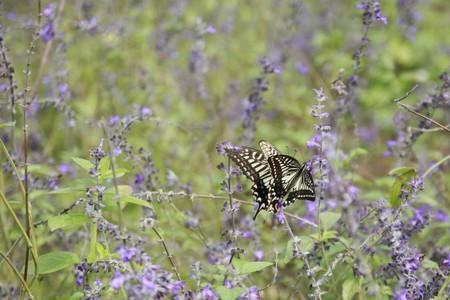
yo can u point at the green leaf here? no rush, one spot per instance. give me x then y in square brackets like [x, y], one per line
[355, 153]
[401, 171]
[104, 165]
[8, 124]
[67, 221]
[83, 163]
[229, 294]
[130, 199]
[55, 261]
[109, 173]
[429, 264]
[394, 199]
[403, 175]
[349, 288]
[248, 267]
[328, 219]
[41, 170]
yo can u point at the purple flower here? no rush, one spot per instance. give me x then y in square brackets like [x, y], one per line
[222, 148]
[400, 295]
[117, 280]
[279, 217]
[259, 255]
[353, 191]
[10, 15]
[63, 88]
[252, 293]
[146, 111]
[378, 14]
[150, 286]
[117, 151]
[48, 10]
[47, 32]
[412, 264]
[113, 120]
[138, 179]
[302, 68]
[208, 293]
[247, 234]
[441, 216]
[126, 254]
[211, 29]
[446, 262]
[314, 141]
[176, 287]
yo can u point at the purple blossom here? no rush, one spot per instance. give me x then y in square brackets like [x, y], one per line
[117, 280]
[63, 88]
[252, 293]
[412, 263]
[117, 151]
[48, 10]
[47, 32]
[207, 293]
[138, 179]
[126, 254]
[113, 120]
[145, 111]
[400, 295]
[258, 255]
[176, 287]
[441, 216]
[378, 15]
[302, 68]
[446, 262]
[210, 29]
[222, 148]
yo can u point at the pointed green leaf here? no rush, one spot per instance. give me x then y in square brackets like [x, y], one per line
[328, 219]
[401, 171]
[83, 163]
[229, 294]
[67, 221]
[55, 261]
[247, 267]
[130, 199]
[349, 288]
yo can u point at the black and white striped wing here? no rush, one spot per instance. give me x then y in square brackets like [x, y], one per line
[268, 149]
[291, 179]
[255, 167]
[302, 189]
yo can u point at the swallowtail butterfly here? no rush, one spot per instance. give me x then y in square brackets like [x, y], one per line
[274, 176]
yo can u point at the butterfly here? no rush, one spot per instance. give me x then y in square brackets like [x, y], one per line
[274, 176]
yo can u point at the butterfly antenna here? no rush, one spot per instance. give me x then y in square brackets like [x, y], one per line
[257, 211]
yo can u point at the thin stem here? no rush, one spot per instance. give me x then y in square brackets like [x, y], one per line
[410, 109]
[113, 169]
[231, 201]
[16, 272]
[169, 256]
[435, 166]
[148, 195]
[304, 258]
[26, 102]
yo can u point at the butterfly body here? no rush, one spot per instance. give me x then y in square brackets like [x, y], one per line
[274, 176]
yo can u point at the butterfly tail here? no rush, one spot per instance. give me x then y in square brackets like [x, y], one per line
[257, 211]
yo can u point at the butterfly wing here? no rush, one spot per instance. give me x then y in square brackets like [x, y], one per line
[291, 179]
[302, 188]
[255, 167]
[268, 149]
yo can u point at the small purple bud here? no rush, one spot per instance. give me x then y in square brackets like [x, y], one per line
[117, 281]
[47, 32]
[258, 255]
